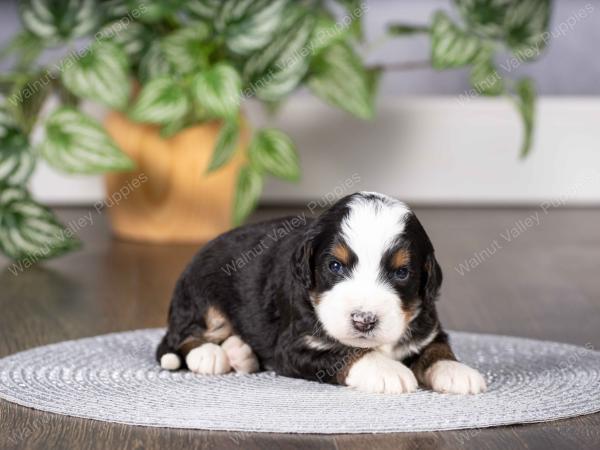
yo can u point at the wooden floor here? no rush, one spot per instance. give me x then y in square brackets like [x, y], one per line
[543, 283]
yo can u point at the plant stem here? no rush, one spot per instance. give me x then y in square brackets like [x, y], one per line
[399, 66]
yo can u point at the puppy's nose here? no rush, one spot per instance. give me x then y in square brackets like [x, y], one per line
[363, 321]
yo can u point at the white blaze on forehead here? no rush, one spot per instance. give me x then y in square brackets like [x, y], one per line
[371, 227]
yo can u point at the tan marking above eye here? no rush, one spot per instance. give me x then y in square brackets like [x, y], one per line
[341, 253]
[401, 258]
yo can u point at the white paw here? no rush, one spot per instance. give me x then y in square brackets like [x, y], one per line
[170, 361]
[208, 359]
[375, 372]
[240, 355]
[452, 377]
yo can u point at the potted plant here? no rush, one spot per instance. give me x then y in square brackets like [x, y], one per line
[175, 75]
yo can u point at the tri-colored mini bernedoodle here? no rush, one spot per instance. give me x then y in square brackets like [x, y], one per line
[347, 298]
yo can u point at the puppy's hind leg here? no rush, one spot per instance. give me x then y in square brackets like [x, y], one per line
[202, 351]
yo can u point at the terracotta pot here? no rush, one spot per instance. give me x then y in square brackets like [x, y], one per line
[169, 197]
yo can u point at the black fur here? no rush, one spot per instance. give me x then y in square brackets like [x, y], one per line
[265, 294]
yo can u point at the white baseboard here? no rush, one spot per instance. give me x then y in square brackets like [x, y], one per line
[432, 150]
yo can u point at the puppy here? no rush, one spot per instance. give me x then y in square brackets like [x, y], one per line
[348, 298]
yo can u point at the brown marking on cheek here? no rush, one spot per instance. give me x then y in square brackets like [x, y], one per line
[434, 352]
[401, 258]
[218, 326]
[348, 361]
[410, 310]
[315, 298]
[342, 254]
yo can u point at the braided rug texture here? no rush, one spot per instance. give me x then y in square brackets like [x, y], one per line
[114, 378]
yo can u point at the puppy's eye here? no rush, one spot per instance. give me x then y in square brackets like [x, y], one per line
[401, 273]
[336, 267]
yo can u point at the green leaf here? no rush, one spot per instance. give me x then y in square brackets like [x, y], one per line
[484, 17]
[226, 145]
[114, 9]
[154, 64]
[204, 9]
[186, 48]
[16, 160]
[285, 44]
[101, 74]
[248, 190]
[398, 29]
[452, 47]
[339, 77]
[25, 46]
[132, 37]
[160, 101]
[153, 12]
[485, 78]
[59, 21]
[355, 10]
[248, 25]
[520, 24]
[273, 151]
[525, 26]
[30, 230]
[218, 90]
[75, 143]
[26, 99]
[327, 31]
[526, 96]
[291, 62]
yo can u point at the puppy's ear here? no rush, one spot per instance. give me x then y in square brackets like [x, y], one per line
[432, 281]
[302, 259]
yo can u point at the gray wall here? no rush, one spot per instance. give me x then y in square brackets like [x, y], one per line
[571, 65]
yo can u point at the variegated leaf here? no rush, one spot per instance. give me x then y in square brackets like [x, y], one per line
[327, 32]
[30, 230]
[101, 74]
[249, 25]
[132, 37]
[286, 71]
[154, 64]
[76, 143]
[204, 9]
[273, 151]
[226, 145]
[338, 76]
[290, 31]
[16, 160]
[248, 189]
[485, 17]
[526, 96]
[354, 12]
[218, 90]
[525, 26]
[115, 9]
[186, 48]
[452, 47]
[520, 24]
[160, 101]
[485, 78]
[57, 21]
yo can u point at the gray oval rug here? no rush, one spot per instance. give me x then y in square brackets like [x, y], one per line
[115, 378]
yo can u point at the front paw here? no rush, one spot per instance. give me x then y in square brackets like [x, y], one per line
[208, 359]
[375, 372]
[240, 355]
[452, 377]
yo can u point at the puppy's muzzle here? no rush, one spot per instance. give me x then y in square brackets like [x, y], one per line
[363, 321]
